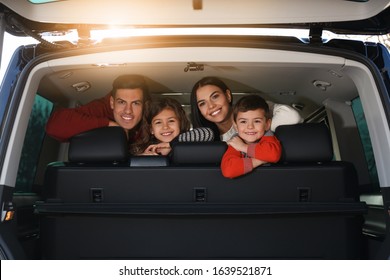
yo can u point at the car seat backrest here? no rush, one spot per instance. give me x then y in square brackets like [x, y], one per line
[297, 199]
[148, 161]
[105, 144]
[305, 142]
[197, 153]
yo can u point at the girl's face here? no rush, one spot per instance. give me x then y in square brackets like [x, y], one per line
[213, 103]
[252, 125]
[165, 126]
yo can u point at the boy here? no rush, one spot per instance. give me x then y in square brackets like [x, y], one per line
[255, 143]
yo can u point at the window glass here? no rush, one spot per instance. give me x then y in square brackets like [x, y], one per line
[366, 142]
[32, 143]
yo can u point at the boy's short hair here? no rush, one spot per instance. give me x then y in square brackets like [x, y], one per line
[250, 103]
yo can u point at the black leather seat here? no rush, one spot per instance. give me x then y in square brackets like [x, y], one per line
[306, 206]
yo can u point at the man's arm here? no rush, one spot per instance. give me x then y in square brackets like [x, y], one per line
[67, 122]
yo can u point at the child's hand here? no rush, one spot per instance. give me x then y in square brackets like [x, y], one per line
[149, 151]
[163, 148]
[237, 143]
[257, 162]
[158, 149]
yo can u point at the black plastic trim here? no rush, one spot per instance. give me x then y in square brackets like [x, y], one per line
[352, 208]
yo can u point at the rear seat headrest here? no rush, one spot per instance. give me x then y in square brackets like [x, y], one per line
[105, 144]
[191, 153]
[305, 142]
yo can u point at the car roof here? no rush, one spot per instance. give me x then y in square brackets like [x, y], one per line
[350, 16]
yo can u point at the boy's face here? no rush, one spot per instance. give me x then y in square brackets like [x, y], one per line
[127, 107]
[252, 125]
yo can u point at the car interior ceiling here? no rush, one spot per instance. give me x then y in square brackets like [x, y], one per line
[293, 85]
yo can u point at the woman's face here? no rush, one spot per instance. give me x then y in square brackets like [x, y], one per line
[213, 103]
[165, 126]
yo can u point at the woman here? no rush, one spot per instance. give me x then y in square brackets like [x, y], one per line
[212, 106]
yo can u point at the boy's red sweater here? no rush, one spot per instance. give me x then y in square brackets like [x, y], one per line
[235, 163]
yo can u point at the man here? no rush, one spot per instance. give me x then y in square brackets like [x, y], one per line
[123, 106]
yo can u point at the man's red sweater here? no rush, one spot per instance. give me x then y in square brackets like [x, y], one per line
[67, 122]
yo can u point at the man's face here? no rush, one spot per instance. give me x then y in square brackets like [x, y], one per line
[127, 107]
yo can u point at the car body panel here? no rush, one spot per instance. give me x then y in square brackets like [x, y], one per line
[284, 70]
[215, 12]
[344, 16]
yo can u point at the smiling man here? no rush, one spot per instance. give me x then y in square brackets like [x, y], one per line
[123, 106]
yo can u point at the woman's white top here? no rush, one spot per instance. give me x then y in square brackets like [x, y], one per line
[229, 134]
[284, 114]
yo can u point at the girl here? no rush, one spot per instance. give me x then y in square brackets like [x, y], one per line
[166, 122]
